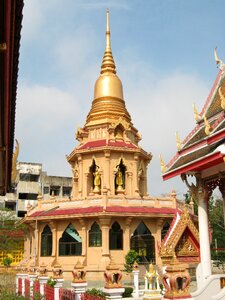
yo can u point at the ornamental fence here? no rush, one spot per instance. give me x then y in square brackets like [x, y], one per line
[49, 292]
[66, 294]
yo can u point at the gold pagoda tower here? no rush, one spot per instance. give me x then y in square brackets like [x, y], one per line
[109, 211]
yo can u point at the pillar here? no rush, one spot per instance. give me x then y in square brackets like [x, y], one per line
[136, 284]
[204, 270]
[107, 172]
[126, 235]
[84, 237]
[79, 289]
[80, 182]
[105, 222]
[57, 286]
[43, 280]
[136, 159]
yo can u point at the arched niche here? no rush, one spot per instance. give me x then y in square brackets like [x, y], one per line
[94, 179]
[120, 177]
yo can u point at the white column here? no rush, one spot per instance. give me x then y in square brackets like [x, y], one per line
[43, 280]
[57, 286]
[32, 278]
[204, 239]
[79, 288]
[136, 284]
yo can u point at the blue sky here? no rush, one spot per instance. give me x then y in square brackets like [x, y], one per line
[164, 56]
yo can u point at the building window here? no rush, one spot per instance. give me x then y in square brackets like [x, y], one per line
[54, 189]
[46, 190]
[29, 177]
[70, 243]
[67, 191]
[46, 241]
[115, 237]
[95, 236]
[28, 196]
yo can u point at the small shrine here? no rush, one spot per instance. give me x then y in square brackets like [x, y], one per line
[181, 240]
[152, 288]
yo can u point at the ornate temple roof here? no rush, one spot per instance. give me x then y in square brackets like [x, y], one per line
[202, 149]
[181, 240]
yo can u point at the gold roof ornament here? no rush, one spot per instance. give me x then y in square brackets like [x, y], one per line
[162, 164]
[196, 114]
[108, 103]
[207, 126]
[218, 61]
[178, 141]
[14, 162]
[222, 99]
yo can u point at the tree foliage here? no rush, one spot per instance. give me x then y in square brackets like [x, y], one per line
[217, 222]
[10, 232]
[130, 259]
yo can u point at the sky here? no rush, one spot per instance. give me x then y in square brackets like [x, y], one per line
[163, 52]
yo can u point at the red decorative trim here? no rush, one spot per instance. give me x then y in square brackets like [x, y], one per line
[103, 143]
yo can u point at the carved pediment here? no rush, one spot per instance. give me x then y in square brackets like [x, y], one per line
[186, 247]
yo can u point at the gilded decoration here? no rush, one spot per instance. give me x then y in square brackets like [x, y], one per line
[182, 240]
[162, 164]
[14, 161]
[176, 281]
[178, 141]
[43, 272]
[79, 274]
[112, 276]
[196, 114]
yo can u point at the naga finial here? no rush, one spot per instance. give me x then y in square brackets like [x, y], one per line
[219, 62]
[196, 114]
[162, 164]
[178, 141]
[222, 98]
[207, 126]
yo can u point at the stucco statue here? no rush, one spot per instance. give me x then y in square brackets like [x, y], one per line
[119, 179]
[97, 181]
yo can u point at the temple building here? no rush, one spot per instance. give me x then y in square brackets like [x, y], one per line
[200, 163]
[109, 211]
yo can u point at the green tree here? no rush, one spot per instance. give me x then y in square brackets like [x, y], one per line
[10, 231]
[130, 259]
[217, 222]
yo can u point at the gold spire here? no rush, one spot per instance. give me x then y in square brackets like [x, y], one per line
[108, 104]
[108, 64]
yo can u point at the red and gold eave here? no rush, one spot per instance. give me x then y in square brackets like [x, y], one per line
[10, 28]
[201, 152]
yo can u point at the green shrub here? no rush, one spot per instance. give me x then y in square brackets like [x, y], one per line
[95, 292]
[51, 282]
[7, 261]
[128, 291]
[130, 259]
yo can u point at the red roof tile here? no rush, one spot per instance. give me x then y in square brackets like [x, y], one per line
[99, 209]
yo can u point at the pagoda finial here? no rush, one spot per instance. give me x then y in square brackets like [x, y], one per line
[108, 64]
[196, 114]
